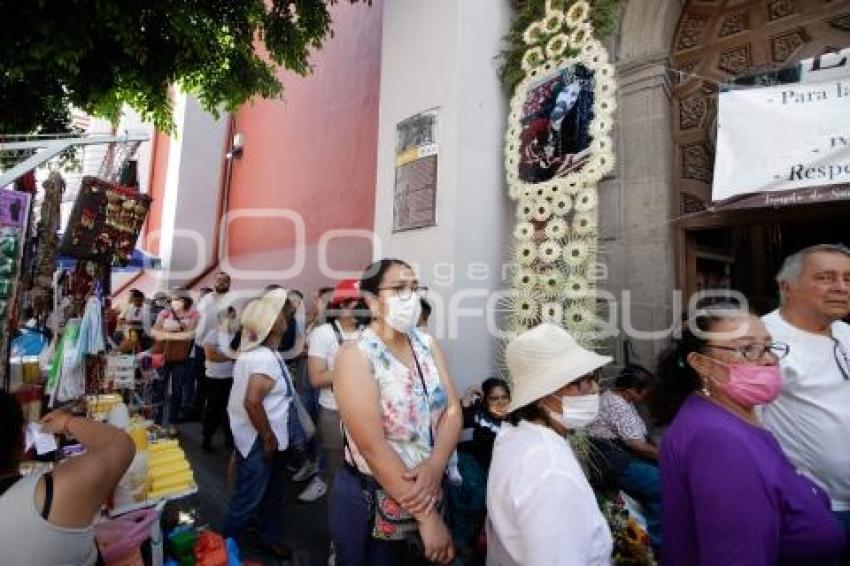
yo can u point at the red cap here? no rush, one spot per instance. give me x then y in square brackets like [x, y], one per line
[346, 290]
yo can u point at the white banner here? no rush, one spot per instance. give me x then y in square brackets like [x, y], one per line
[783, 138]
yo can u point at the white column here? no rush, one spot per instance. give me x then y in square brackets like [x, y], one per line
[192, 189]
[443, 53]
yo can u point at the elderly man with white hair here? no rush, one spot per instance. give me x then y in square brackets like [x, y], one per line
[811, 417]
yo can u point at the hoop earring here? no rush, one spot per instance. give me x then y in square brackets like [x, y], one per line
[705, 390]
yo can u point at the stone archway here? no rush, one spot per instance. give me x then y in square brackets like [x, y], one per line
[719, 40]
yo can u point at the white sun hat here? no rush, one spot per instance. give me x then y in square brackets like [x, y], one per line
[259, 316]
[543, 360]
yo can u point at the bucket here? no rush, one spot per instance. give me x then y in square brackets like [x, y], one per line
[120, 539]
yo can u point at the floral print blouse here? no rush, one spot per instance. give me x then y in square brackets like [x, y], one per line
[409, 413]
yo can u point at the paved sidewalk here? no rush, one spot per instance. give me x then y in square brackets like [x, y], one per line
[306, 523]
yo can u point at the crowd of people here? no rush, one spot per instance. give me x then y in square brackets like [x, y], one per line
[732, 448]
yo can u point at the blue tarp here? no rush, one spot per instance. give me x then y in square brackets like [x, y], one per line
[140, 260]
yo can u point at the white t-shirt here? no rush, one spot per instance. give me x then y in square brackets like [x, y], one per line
[541, 509]
[811, 417]
[260, 360]
[208, 308]
[323, 343]
[220, 340]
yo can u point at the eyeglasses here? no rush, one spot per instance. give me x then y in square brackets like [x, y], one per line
[842, 358]
[755, 352]
[404, 292]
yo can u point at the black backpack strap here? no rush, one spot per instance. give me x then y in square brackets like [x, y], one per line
[338, 333]
[48, 495]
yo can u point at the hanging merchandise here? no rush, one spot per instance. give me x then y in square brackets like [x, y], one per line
[105, 222]
[47, 247]
[14, 216]
[67, 376]
[91, 340]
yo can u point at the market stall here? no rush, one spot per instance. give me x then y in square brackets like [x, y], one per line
[62, 352]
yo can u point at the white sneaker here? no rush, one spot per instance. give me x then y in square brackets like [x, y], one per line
[307, 470]
[314, 490]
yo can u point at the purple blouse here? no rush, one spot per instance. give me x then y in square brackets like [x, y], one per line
[729, 496]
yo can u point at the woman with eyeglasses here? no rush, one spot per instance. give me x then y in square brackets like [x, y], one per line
[729, 494]
[401, 420]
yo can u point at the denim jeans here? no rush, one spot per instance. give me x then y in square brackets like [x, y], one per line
[169, 391]
[261, 492]
[196, 394]
[351, 527]
[640, 479]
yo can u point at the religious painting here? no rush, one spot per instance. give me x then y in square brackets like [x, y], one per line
[555, 123]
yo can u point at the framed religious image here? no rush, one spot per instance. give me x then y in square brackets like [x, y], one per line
[555, 138]
[415, 188]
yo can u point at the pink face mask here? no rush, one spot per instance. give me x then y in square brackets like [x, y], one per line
[751, 384]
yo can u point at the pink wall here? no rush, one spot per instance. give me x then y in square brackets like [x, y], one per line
[159, 168]
[314, 151]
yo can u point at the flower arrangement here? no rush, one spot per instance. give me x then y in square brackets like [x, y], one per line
[557, 148]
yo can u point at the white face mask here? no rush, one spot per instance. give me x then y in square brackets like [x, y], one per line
[403, 314]
[578, 411]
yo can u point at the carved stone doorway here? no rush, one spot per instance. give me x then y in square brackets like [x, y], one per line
[717, 41]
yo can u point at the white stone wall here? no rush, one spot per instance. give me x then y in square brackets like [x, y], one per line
[442, 53]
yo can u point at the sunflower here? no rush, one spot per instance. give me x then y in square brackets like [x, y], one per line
[525, 278]
[580, 35]
[577, 14]
[533, 34]
[554, 21]
[578, 318]
[595, 54]
[600, 126]
[576, 287]
[526, 209]
[552, 312]
[539, 193]
[542, 210]
[576, 253]
[549, 252]
[556, 46]
[524, 308]
[550, 282]
[603, 162]
[586, 200]
[526, 253]
[532, 58]
[556, 229]
[561, 206]
[584, 224]
[605, 88]
[524, 231]
[554, 191]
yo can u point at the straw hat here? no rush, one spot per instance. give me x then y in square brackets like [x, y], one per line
[259, 316]
[543, 360]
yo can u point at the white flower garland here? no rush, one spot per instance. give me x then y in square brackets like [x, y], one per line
[564, 208]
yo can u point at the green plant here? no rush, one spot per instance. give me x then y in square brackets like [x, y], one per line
[100, 54]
